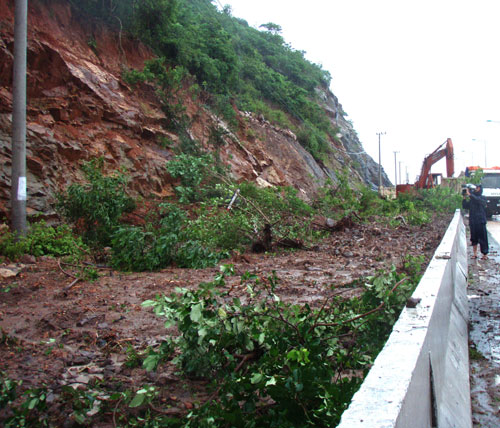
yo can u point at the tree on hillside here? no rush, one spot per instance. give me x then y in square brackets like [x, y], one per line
[272, 27]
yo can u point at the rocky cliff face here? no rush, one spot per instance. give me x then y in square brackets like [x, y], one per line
[362, 162]
[79, 108]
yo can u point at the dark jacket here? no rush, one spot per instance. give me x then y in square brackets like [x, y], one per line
[476, 206]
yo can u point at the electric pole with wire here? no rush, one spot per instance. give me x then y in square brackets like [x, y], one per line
[18, 175]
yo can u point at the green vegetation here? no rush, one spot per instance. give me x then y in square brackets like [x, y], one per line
[30, 413]
[42, 240]
[197, 230]
[230, 61]
[474, 354]
[161, 243]
[266, 362]
[193, 171]
[267, 351]
[96, 207]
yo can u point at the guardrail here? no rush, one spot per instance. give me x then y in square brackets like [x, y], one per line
[421, 376]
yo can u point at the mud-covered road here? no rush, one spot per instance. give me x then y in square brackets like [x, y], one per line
[484, 333]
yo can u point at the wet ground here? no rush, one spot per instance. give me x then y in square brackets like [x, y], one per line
[484, 333]
[88, 333]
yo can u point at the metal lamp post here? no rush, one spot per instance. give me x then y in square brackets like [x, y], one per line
[489, 121]
[484, 141]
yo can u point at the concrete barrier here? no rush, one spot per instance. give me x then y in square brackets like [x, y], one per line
[421, 376]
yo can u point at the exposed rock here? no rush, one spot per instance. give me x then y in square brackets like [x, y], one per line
[8, 273]
[350, 144]
[79, 108]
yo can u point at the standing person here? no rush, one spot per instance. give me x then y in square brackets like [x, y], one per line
[475, 202]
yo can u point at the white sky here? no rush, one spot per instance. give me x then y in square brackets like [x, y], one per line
[420, 70]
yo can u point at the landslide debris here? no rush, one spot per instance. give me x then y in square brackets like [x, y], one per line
[89, 333]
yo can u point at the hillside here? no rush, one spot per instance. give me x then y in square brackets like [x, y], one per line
[81, 107]
[209, 249]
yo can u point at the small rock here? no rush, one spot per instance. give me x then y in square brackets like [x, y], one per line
[8, 273]
[80, 360]
[28, 259]
[82, 379]
[412, 302]
[95, 369]
[348, 254]
[165, 378]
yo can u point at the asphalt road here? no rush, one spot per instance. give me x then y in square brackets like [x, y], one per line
[484, 332]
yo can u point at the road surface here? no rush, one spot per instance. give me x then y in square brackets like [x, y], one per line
[484, 332]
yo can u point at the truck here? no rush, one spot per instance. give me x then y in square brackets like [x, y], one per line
[490, 181]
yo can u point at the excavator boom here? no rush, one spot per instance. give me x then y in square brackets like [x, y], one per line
[425, 179]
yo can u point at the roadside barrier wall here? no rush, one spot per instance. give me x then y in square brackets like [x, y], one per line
[420, 379]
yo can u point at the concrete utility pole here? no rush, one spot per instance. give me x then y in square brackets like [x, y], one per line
[379, 164]
[395, 170]
[18, 176]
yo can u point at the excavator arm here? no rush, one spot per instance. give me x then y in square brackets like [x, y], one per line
[425, 179]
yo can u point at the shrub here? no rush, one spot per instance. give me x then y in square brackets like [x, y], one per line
[193, 171]
[42, 240]
[339, 199]
[441, 199]
[220, 228]
[96, 207]
[159, 244]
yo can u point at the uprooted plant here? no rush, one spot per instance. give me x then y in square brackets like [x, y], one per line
[273, 363]
[258, 218]
[264, 362]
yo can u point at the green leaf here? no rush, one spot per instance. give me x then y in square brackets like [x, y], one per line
[79, 417]
[256, 378]
[196, 314]
[222, 313]
[33, 402]
[271, 381]
[138, 399]
[151, 362]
